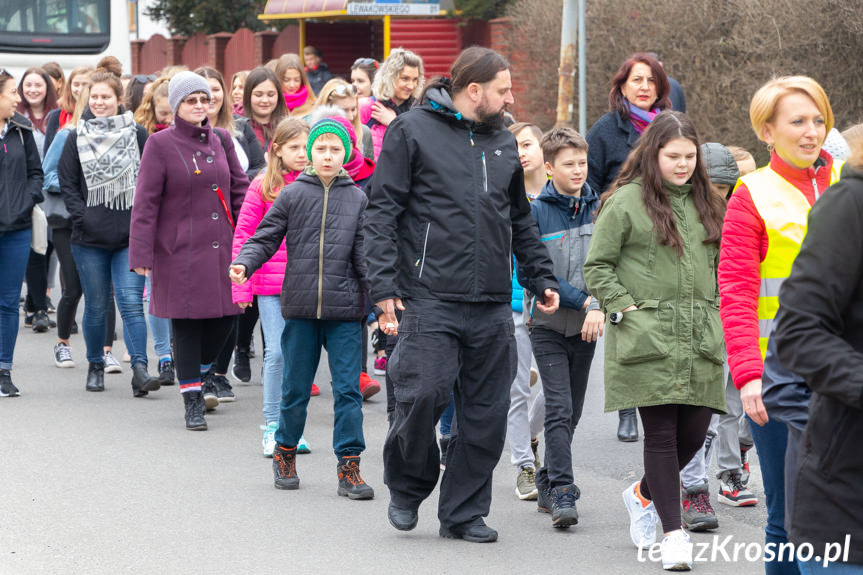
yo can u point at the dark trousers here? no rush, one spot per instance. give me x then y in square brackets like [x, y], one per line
[391, 342]
[468, 348]
[672, 435]
[302, 340]
[240, 337]
[564, 366]
[37, 281]
[197, 342]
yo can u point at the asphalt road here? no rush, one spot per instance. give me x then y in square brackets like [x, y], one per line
[105, 483]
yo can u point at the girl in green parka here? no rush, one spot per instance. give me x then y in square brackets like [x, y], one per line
[652, 266]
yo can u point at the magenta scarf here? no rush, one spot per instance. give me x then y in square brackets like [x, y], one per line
[297, 99]
[641, 119]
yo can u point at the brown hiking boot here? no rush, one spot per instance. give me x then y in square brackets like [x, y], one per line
[350, 483]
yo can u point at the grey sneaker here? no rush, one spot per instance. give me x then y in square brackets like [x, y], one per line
[525, 484]
[111, 363]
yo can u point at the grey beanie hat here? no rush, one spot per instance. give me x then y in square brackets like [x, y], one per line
[719, 163]
[183, 84]
[836, 146]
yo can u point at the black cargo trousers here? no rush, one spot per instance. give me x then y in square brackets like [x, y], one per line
[467, 348]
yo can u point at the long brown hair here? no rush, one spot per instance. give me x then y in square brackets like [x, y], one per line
[48, 103]
[287, 130]
[643, 162]
[256, 77]
[617, 102]
[225, 117]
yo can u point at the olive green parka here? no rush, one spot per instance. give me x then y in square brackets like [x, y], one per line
[671, 349]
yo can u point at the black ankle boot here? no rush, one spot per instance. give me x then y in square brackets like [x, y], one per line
[194, 402]
[142, 382]
[627, 428]
[96, 377]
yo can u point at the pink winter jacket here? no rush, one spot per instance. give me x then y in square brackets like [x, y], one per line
[267, 280]
[378, 130]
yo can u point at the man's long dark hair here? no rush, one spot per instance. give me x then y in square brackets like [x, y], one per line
[474, 65]
[643, 162]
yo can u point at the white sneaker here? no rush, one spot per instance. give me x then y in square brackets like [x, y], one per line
[111, 363]
[642, 520]
[268, 443]
[63, 355]
[676, 551]
[303, 445]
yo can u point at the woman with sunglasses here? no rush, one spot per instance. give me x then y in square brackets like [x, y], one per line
[342, 95]
[363, 72]
[188, 197]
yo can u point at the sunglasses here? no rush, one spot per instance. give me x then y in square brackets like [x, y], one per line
[342, 90]
[365, 62]
[195, 100]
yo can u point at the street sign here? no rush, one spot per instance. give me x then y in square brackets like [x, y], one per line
[369, 9]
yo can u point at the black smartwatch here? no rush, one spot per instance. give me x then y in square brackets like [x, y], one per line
[616, 317]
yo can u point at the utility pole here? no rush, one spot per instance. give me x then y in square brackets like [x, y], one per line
[582, 69]
[566, 71]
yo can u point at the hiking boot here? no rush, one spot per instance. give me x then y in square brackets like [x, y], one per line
[351, 484]
[166, 372]
[241, 370]
[475, 532]
[63, 355]
[41, 322]
[698, 514]
[525, 484]
[211, 394]
[368, 386]
[642, 517]
[96, 377]
[534, 446]
[223, 389]
[401, 518]
[7, 388]
[744, 464]
[563, 510]
[111, 363]
[732, 491]
[194, 403]
[444, 446]
[142, 383]
[676, 551]
[285, 468]
[627, 427]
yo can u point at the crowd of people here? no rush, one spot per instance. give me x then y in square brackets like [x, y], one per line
[422, 218]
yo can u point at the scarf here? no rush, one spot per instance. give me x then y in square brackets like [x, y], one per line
[160, 127]
[108, 150]
[64, 117]
[641, 119]
[297, 99]
[359, 168]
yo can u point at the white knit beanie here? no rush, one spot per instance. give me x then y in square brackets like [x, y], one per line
[183, 84]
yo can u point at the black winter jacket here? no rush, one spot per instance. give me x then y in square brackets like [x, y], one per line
[251, 146]
[93, 226]
[448, 209]
[20, 175]
[820, 337]
[52, 126]
[326, 274]
[609, 142]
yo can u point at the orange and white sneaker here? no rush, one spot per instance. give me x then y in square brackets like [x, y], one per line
[642, 517]
[732, 491]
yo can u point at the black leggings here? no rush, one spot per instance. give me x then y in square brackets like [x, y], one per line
[37, 281]
[68, 305]
[672, 435]
[240, 337]
[197, 342]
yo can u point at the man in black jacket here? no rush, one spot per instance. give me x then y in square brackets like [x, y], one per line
[447, 210]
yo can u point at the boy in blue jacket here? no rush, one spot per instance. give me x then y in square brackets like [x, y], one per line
[564, 343]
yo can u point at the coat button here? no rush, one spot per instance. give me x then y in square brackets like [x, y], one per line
[215, 187]
[198, 153]
[215, 244]
[215, 215]
[209, 159]
[202, 137]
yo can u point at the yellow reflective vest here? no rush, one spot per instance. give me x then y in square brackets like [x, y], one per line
[784, 210]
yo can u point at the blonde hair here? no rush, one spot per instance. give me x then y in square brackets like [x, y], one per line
[854, 137]
[67, 100]
[80, 106]
[383, 87]
[328, 94]
[146, 112]
[272, 183]
[762, 109]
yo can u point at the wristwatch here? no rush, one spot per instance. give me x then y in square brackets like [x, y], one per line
[616, 317]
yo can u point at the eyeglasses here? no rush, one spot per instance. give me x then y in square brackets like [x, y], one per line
[365, 62]
[195, 100]
[342, 90]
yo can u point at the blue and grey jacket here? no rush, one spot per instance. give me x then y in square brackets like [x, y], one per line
[565, 226]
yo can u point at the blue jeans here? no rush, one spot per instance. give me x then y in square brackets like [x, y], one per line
[815, 568]
[160, 327]
[273, 324]
[97, 268]
[447, 417]
[771, 441]
[302, 340]
[14, 255]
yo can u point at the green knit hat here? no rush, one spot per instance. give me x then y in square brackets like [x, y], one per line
[329, 126]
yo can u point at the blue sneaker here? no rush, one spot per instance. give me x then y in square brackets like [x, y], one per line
[268, 443]
[302, 446]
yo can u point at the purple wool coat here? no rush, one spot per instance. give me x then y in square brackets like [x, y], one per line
[179, 228]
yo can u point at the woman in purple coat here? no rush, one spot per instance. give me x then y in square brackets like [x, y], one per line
[190, 190]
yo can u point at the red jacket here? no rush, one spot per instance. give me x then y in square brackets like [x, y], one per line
[743, 248]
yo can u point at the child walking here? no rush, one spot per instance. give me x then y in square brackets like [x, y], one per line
[320, 218]
[652, 266]
[287, 159]
[563, 343]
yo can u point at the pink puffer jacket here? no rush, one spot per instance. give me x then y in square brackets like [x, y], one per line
[267, 280]
[378, 130]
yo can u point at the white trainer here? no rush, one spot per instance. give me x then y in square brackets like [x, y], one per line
[268, 442]
[642, 520]
[676, 551]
